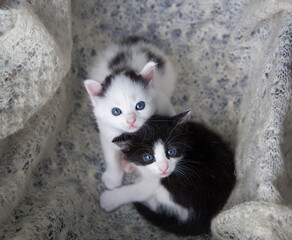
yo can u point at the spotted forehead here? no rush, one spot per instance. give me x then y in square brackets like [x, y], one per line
[122, 78]
[122, 88]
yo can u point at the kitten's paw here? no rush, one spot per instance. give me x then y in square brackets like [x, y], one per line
[109, 200]
[112, 180]
[128, 167]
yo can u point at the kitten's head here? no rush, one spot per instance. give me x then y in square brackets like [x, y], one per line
[126, 99]
[157, 145]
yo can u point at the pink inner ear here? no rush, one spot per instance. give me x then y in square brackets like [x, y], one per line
[93, 88]
[148, 72]
[150, 75]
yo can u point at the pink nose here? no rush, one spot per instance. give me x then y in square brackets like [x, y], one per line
[163, 167]
[131, 121]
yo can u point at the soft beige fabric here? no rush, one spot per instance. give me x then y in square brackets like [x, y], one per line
[265, 108]
[233, 62]
[263, 149]
[254, 220]
[35, 56]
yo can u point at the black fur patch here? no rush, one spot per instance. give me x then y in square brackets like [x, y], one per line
[137, 78]
[130, 74]
[118, 60]
[154, 57]
[105, 85]
[149, 54]
[133, 40]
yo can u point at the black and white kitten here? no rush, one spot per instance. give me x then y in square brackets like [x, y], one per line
[129, 82]
[187, 174]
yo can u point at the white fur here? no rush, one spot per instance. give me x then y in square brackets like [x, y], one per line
[165, 79]
[148, 189]
[163, 166]
[125, 94]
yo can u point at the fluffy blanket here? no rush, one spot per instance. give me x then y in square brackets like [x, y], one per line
[233, 63]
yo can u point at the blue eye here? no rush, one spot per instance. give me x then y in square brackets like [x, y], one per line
[140, 105]
[116, 111]
[148, 158]
[171, 152]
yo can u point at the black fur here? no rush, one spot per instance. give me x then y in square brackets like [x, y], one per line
[136, 78]
[118, 61]
[105, 85]
[207, 164]
[154, 57]
[119, 64]
[151, 56]
[132, 40]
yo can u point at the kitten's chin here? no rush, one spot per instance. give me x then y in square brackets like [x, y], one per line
[129, 129]
[132, 128]
[169, 171]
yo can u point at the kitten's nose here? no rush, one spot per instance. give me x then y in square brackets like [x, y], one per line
[131, 120]
[163, 166]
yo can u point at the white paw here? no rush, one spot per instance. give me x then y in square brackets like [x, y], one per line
[112, 180]
[109, 200]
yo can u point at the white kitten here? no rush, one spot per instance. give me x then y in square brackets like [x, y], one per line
[129, 82]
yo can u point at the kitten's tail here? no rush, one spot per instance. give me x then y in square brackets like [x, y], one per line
[171, 223]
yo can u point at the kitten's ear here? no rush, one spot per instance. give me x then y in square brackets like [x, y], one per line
[123, 142]
[148, 72]
[93, 87]
[182, 117]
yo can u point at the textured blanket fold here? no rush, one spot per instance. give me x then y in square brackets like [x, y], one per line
[233, 61]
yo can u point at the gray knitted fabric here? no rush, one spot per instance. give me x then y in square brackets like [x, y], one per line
[233, 63]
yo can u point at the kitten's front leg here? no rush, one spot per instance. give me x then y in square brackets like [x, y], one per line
[137, 192]
[113, 175]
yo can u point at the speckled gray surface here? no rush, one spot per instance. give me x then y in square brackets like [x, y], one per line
[213, 49]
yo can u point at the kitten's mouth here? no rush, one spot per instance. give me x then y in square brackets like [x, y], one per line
[164, 174]
[132, 127]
